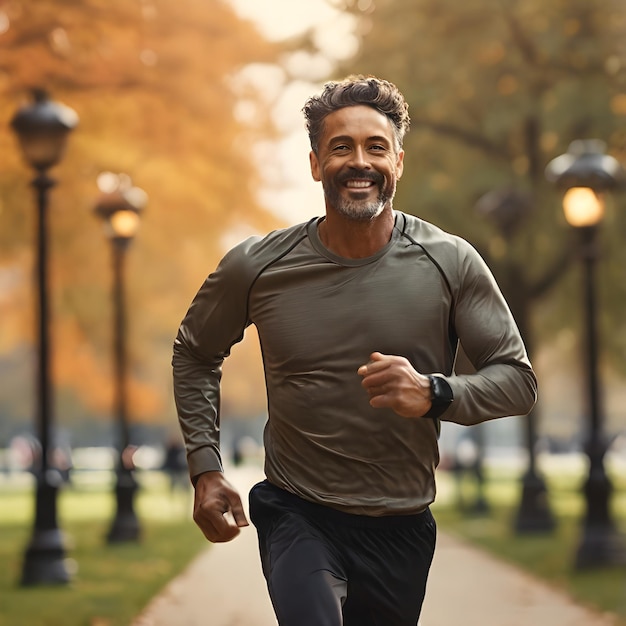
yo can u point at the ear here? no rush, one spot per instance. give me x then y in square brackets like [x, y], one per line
[315, 166]
[400, 164]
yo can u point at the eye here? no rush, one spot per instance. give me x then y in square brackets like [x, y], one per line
[340, 147]
[378, 147]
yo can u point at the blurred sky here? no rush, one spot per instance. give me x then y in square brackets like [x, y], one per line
[290, 191]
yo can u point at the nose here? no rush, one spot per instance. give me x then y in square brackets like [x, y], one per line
[359, 158]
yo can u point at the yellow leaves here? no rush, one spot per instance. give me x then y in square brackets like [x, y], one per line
[440, 181]
[549, 141]
[243, 382]
[16, 304]
[60, 42]
[466, 91]
[571, 27]
[618, 104]
[150, 81]
[5, 22]
[491, 53]
[520, 165]
[78, 360]
[507, 85]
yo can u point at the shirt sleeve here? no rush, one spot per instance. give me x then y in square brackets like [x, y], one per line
[215, 321]
[504, 383]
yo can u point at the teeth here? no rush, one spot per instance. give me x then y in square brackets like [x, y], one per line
[359, 183]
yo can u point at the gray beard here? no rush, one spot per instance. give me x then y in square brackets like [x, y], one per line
[358, 210]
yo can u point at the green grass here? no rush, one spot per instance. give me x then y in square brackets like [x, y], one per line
[112, 582]
[550, 555]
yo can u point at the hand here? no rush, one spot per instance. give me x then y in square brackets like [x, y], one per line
[217, 508]
[392, 382]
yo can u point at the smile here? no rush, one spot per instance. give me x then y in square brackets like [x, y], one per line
[359, 184]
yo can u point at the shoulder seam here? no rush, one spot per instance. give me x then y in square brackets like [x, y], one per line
[272, 261]
[431, 258]
[453, 337]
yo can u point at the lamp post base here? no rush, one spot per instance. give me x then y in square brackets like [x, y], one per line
[533, 515]
[45, 562]
[125, 525]
[601, 546]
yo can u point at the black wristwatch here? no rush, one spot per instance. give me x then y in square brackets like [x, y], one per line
[441, 395]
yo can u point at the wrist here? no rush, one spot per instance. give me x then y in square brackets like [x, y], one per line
[206, 476]
[441, 396]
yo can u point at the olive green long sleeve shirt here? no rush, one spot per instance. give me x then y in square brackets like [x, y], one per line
[319, 317]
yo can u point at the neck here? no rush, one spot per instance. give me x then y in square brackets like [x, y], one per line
[353, 239]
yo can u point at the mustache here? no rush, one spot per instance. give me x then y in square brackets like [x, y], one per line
[375, 177]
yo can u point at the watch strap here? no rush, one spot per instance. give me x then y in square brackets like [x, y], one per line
[441, 396]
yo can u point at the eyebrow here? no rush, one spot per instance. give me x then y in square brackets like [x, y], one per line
[349, 139]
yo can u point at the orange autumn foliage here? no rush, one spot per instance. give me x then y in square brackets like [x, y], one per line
[155, 85]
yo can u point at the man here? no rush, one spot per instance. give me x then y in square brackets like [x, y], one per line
[359, 314]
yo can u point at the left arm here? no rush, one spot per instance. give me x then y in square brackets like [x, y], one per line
[504, 383]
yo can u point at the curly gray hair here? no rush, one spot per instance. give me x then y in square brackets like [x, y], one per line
[355, 90]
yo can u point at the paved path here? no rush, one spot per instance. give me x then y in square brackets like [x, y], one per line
[224, 586]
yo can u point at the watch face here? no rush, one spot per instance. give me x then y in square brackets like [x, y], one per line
[441, 396]
[441, 391]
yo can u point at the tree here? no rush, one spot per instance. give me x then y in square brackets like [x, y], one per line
[496, 89]
[158, 91]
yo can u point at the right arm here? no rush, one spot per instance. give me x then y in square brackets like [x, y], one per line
[215, 321]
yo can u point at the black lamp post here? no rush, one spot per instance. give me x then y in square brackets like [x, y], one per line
[508, 208]
[585, 172]
[42, 128]
[119, 206]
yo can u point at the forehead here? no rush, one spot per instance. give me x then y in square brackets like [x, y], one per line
[358, 121]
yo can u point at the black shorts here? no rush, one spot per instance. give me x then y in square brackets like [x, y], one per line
[328, 568]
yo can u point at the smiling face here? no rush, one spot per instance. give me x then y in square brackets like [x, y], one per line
[357, 162]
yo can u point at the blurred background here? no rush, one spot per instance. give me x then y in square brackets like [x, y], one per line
[193, 109]
[198, 103]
